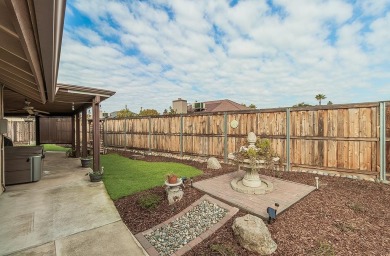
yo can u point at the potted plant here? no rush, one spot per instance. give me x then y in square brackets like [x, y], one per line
[71, 152]
[86, 162]
[96, 176]
[172, 178]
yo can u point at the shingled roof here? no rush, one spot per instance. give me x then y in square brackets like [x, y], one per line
[222, 106]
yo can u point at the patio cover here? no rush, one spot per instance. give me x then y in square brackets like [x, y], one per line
[30, 46]
[69, 100]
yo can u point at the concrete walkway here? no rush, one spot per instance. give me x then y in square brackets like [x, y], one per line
[63, 214]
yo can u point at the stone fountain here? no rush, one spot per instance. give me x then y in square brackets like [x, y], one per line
[251, 182]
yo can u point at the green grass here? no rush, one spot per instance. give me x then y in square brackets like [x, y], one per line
[53, 147]
[123, 176]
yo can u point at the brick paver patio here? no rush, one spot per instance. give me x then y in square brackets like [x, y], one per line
[286, 193]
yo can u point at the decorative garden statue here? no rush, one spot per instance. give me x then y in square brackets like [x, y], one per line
[258, 154]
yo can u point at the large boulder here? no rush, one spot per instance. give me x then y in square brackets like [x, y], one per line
[213, 163]
[253, 235]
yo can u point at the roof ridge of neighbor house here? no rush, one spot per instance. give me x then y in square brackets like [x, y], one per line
[223, 105]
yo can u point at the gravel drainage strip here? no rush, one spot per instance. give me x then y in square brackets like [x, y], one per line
[185, 230]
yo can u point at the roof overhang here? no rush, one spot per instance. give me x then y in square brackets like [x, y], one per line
[69, 99]
[30, 43]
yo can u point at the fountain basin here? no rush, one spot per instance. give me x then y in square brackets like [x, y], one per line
[264, 187]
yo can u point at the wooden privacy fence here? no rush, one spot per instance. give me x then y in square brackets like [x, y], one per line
[338, 137]
[55, 130]
[21, 132]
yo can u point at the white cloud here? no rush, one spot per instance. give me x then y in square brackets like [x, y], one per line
[374, 7]
[207, 50]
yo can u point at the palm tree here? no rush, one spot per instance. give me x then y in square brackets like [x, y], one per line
[320, 97]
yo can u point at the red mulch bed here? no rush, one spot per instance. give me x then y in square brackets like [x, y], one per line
[343, 217]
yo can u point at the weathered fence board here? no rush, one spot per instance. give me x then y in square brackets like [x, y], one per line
[338, 137]
[55, 130]
[21, 132]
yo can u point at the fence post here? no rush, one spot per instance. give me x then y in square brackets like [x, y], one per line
[181, 136]
[104, 133]
[150, 135]
[382, 140]
[288, 163]
[208, 133]
[225, 146]
[125, 131]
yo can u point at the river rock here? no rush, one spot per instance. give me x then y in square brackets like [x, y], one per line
[212, 163]
[253, 235]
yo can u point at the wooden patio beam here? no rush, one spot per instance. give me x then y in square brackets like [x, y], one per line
[73, 128]
[84, 149]
[37, 131]
[96, 133]
[77, 134]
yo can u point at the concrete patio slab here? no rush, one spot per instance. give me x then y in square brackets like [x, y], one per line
[62, 204]
[48, 249]
[286, 193]
[115, 237]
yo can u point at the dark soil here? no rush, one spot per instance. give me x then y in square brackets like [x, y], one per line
[343, 217]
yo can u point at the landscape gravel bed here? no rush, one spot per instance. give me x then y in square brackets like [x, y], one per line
[168, 239]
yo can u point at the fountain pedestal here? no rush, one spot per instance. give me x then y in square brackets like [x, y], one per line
[251, 179]
[251, 182]
[174, 191]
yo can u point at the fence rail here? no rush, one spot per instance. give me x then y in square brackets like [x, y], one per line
[339, 137]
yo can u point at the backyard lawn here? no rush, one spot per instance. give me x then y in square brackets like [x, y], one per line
[53, 147]
[124, 176]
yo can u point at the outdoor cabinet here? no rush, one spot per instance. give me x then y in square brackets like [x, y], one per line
[22, 164]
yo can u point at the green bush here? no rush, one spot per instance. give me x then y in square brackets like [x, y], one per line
[149, 201]
[264, 146]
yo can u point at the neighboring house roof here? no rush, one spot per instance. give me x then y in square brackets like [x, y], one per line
[222, 106]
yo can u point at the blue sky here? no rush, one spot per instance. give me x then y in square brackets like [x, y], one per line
[272, 53]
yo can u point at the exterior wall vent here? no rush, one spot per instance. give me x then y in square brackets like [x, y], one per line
[198, 106]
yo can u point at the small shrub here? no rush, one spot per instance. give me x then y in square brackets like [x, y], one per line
[252, 153]
[149, 201]
[71, 153]
[222, 249]
[323, 249]
[356, 207]
[264, 146]
[344, 227]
